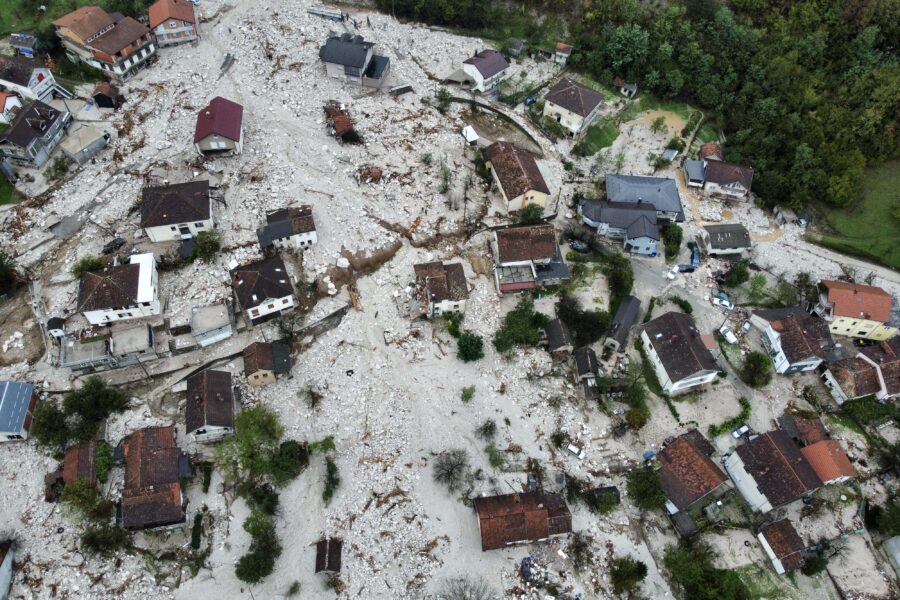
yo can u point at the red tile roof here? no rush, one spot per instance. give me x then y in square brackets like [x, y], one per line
[828, 460]
[711, 150]
[858, 301]
[687, 473]
[512, 518]
[516, 170]
[86, 21]
[222, 117]
[163, 10]
[786, 543]
[534, 242]
[79, 463]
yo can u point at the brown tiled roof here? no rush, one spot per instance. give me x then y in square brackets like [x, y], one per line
[725, 173]
[828, 460]
[785, 542]
[679, 346]
[153, 507]
[687, 473]
[532, 242]
[210, 400]
[328, 555]
[152, 495]
[127, 31]
[516, 169]
[857, 377]
[806, 431]
[563, 48]
[887, 356]
[107, 89]
[711, 150]
[79, 463]
[113, 287]
[574, 97]
[177, 203]
[442, 282]
[803, 335]
[858, 301]
[259, 281]
[16, 69]
[221, 117]
[258, 356]
[163, 10]
[512, 518]
[86, 21]
[338, 118]
[780, 471]
[700, 443]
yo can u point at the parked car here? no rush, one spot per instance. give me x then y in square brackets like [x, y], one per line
[671, 273]
[737, 433]
[695, 253]
[687, 268]
[726, 304]
[746, 327]
[113, 245]
[728, 335]
[579, 246]
[575, 451]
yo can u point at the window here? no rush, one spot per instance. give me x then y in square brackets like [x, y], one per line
[284, 300]
[173, 228]
[173, 24]
[255, 312]
[860, 333]
[270, 306]
[145, 304]
[199, 225]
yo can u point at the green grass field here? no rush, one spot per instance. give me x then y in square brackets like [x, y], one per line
[599, 136]
[23, 15]
[8, 194]
[868, 229]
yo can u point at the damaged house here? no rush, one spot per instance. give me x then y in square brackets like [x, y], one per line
[176, 212]
[731, 239]
[220, 127]
[29, 79]
[265, 361]
[626, 316]
[677, 353]
[783, 545]
[209, 412]
[288, 228]
[688, 474]
[338, 123]
[795, 340]
[263, 290]
[572, 105]
[440, 289]
[33, 134]
[517, 176]
[120, 292]
[349, 57]
[719, 178]
[80, 462]
[856, 310]
[521, 518]
[527, 257]
[558, 340]
[154, 465]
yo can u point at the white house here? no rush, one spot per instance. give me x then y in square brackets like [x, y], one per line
[209, 412]
[677, 353]
[29, 79]
[486, 70]
[440, 288]
[727, 179]
[220, 127]
[263, 290]
[288, 228]
[349, 57]
[10, 104]
[795, 340]
[572, 105]
[17, 404]
[120, 292]
[517, 176]
[176, 212]
[562, 53]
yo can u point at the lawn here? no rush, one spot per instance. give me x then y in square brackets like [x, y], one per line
[599, 136]
[868, 229]
[8, 194]
[22, 15]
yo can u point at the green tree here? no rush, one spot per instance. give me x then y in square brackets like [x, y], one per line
[87, 407]
[254, 445]
[85, 501]
[756, 370]
[738, 273]
[531, 214]
[88, 264]
[105, 540]
[206, 247]
[521, 326]
[9, 277]
[469, 347]
[757, 288]
[672, 235]
[786, 294]
[645, 488]
[49, 426]
[626, 574]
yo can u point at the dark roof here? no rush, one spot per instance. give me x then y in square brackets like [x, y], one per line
[856, 377]
[113, 287]
[79, 463]
[328, 555]
[804, 431]
[678, 345]
[439, 282]
[267, 356]
[802, 335]
[15, 69]
[660, 192]
[702, 445]
[785, 543]
[155, 506]
[281, 357]
[210, 400]
[724, 173]
[516, 169]
[694, 170]
[377, 67]
[259, 281]
[15, 400]
[153, 467]
[512, 518]
[488, 62]
[56, 323]
[687, 473]
[731, 235]
[126, 32]
[347, 49]
[626, 316]
[780, 471]
[558, 335]
[887, 356]
[574, 97]
[285, 222]
[643, 226]
[221, 117]
[531, 242]
[586, 361]
[107, 89]
[178, 203]
[31, 123]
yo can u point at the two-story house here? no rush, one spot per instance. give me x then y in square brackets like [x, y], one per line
[517, 176]
[33, 134]
[440, 289]
[572, 105]
[688, 474]
[855, 310]
[117, 45]
[526, 257]
[176, 212]
[29, 79]
[173, 22]
[636, 224]
[676, 352]
[795, 340]
[209, 412]
[659, 192]
[725, 239]
[719, 178]
[10, 105]
[874, 371]
[349, 57]
[120, 292]
[220, 127]
[263, 289]
[288, 228]
[485, 70]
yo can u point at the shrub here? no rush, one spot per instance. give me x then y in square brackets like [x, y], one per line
[495, 456]
[89, 405]
[636, 418]
[619, 277]
[48, 425]
[454, 320]
[676, 143]
[84, 499]
[206, 468]
[264, 497]
[9, 277]
[465, 587]
[692, 571]
[487, 430]
[443, 99]
[580, 551]
[681, 303]
[332, 480]
[645, 489]
[58, 168]
[626, 574]
[294, 589]
[757, 288]
[468, 393]
[521, 326]
[814, 564]
[254, 566]
[288, 462]
[658, 125]
[451, 467]
[103, 461]
[197, 531]
[325, 445]
[206, 246]
[531, 214]
[105, 540]
[254, 445]
[738, 273]
[469, 347]
[672, 236]
[756, 370]
[587, 326]
[559, 438]
[88, 264]
[734, 422]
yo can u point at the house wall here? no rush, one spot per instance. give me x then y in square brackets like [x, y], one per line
[334, 70]
[772, 342]
[261, 377]
[168, 233]
[779, 568]
[746, 485]
[12, 105]
[641, 245]
[173, 32]
[211, 433]
[861, 328]
[298, 241]
[85, 154]
[215, 142]
[575, 123]
[121, 67]
[148, 300]
[38, 151]
[480, 83]
[522, 200]
[734, 190]
[673, 387]
[207, 338]
[270, 306]
[437, 309]
[834, 387]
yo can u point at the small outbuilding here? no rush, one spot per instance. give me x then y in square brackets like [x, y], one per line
[83, 143]
[209, 414]
[328, 555]
[17, 404]
[626, 316]
[106, 95]
[265, 361]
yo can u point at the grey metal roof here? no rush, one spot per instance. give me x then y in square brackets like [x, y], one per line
[694, 170]
[626, 316]
[488, 62]
[643, 227]
[281, 357]
[586, 361]
[558, 335]
[377, 66]
[638, 219]
[14, 400]
[661, 192]
[348, 50]
[729, 235]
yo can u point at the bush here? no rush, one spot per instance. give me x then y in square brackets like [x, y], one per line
[443, 99]
[580, 551]
[756, 370]
[645, 489]
[814, 564]
[206, 468]
[58, 168]
[681, 303]
[487, 430]
[636, 418]
[531, 214]
[734, 422]
[454, 320]
[263, 497]
[757, 291]
[288, 462]
[105, 540]
[521, 326]
[79, 419]
[48, 425]
[88, 264]
[738, 273]
[197, 531]
[465, 587]
[84, 499]
[587, 326]
[658, 125]
[451, 467]
[676, 143]
[469, 347]
[253, 567]
[325, 445]
[692, 571]
[672, 236]
[495, 456]
[468, 393]
[626, 574]
[887, 517]
[9, 277]
[559, 438]
[332, 480]
[206, 247]
[619, 277]
[103, 461]
[254, 445]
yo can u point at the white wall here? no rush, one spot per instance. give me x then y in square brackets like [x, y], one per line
[168, 233]
[211, 433]
[297, 241]
[746, 485]
[269, 306]
[147, 298]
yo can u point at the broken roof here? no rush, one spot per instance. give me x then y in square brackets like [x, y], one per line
[803, 336]
[828, 459]
[574, 97]
[86, 21]
[442, 282]
[488, 62]
[210, 400]
[785, 543]
[112, 287]
[687, 473]
[711, 151]
[516, 170]
[725, 173]
[79, 463]
[163, 10]
[267, 356]
[782, 474]
[858, 301]
[558, 336]
[531, 242]
[33, 122]
[256, 282]
[284, 223]
[887, 356]
[126, 32]
[677, 343]
[626, 316]
[729, 235]
[177, 203]
[346, 49]
[660, 192]
[805, 431]
[221, 117]
[328, 555]
[857, 377]
[152, 495]
[17, 70]
[512, 518]
[15, 398]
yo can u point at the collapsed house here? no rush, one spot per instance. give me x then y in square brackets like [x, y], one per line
[521, 518]
[338, 123]
[154, 465]
[440, 289]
